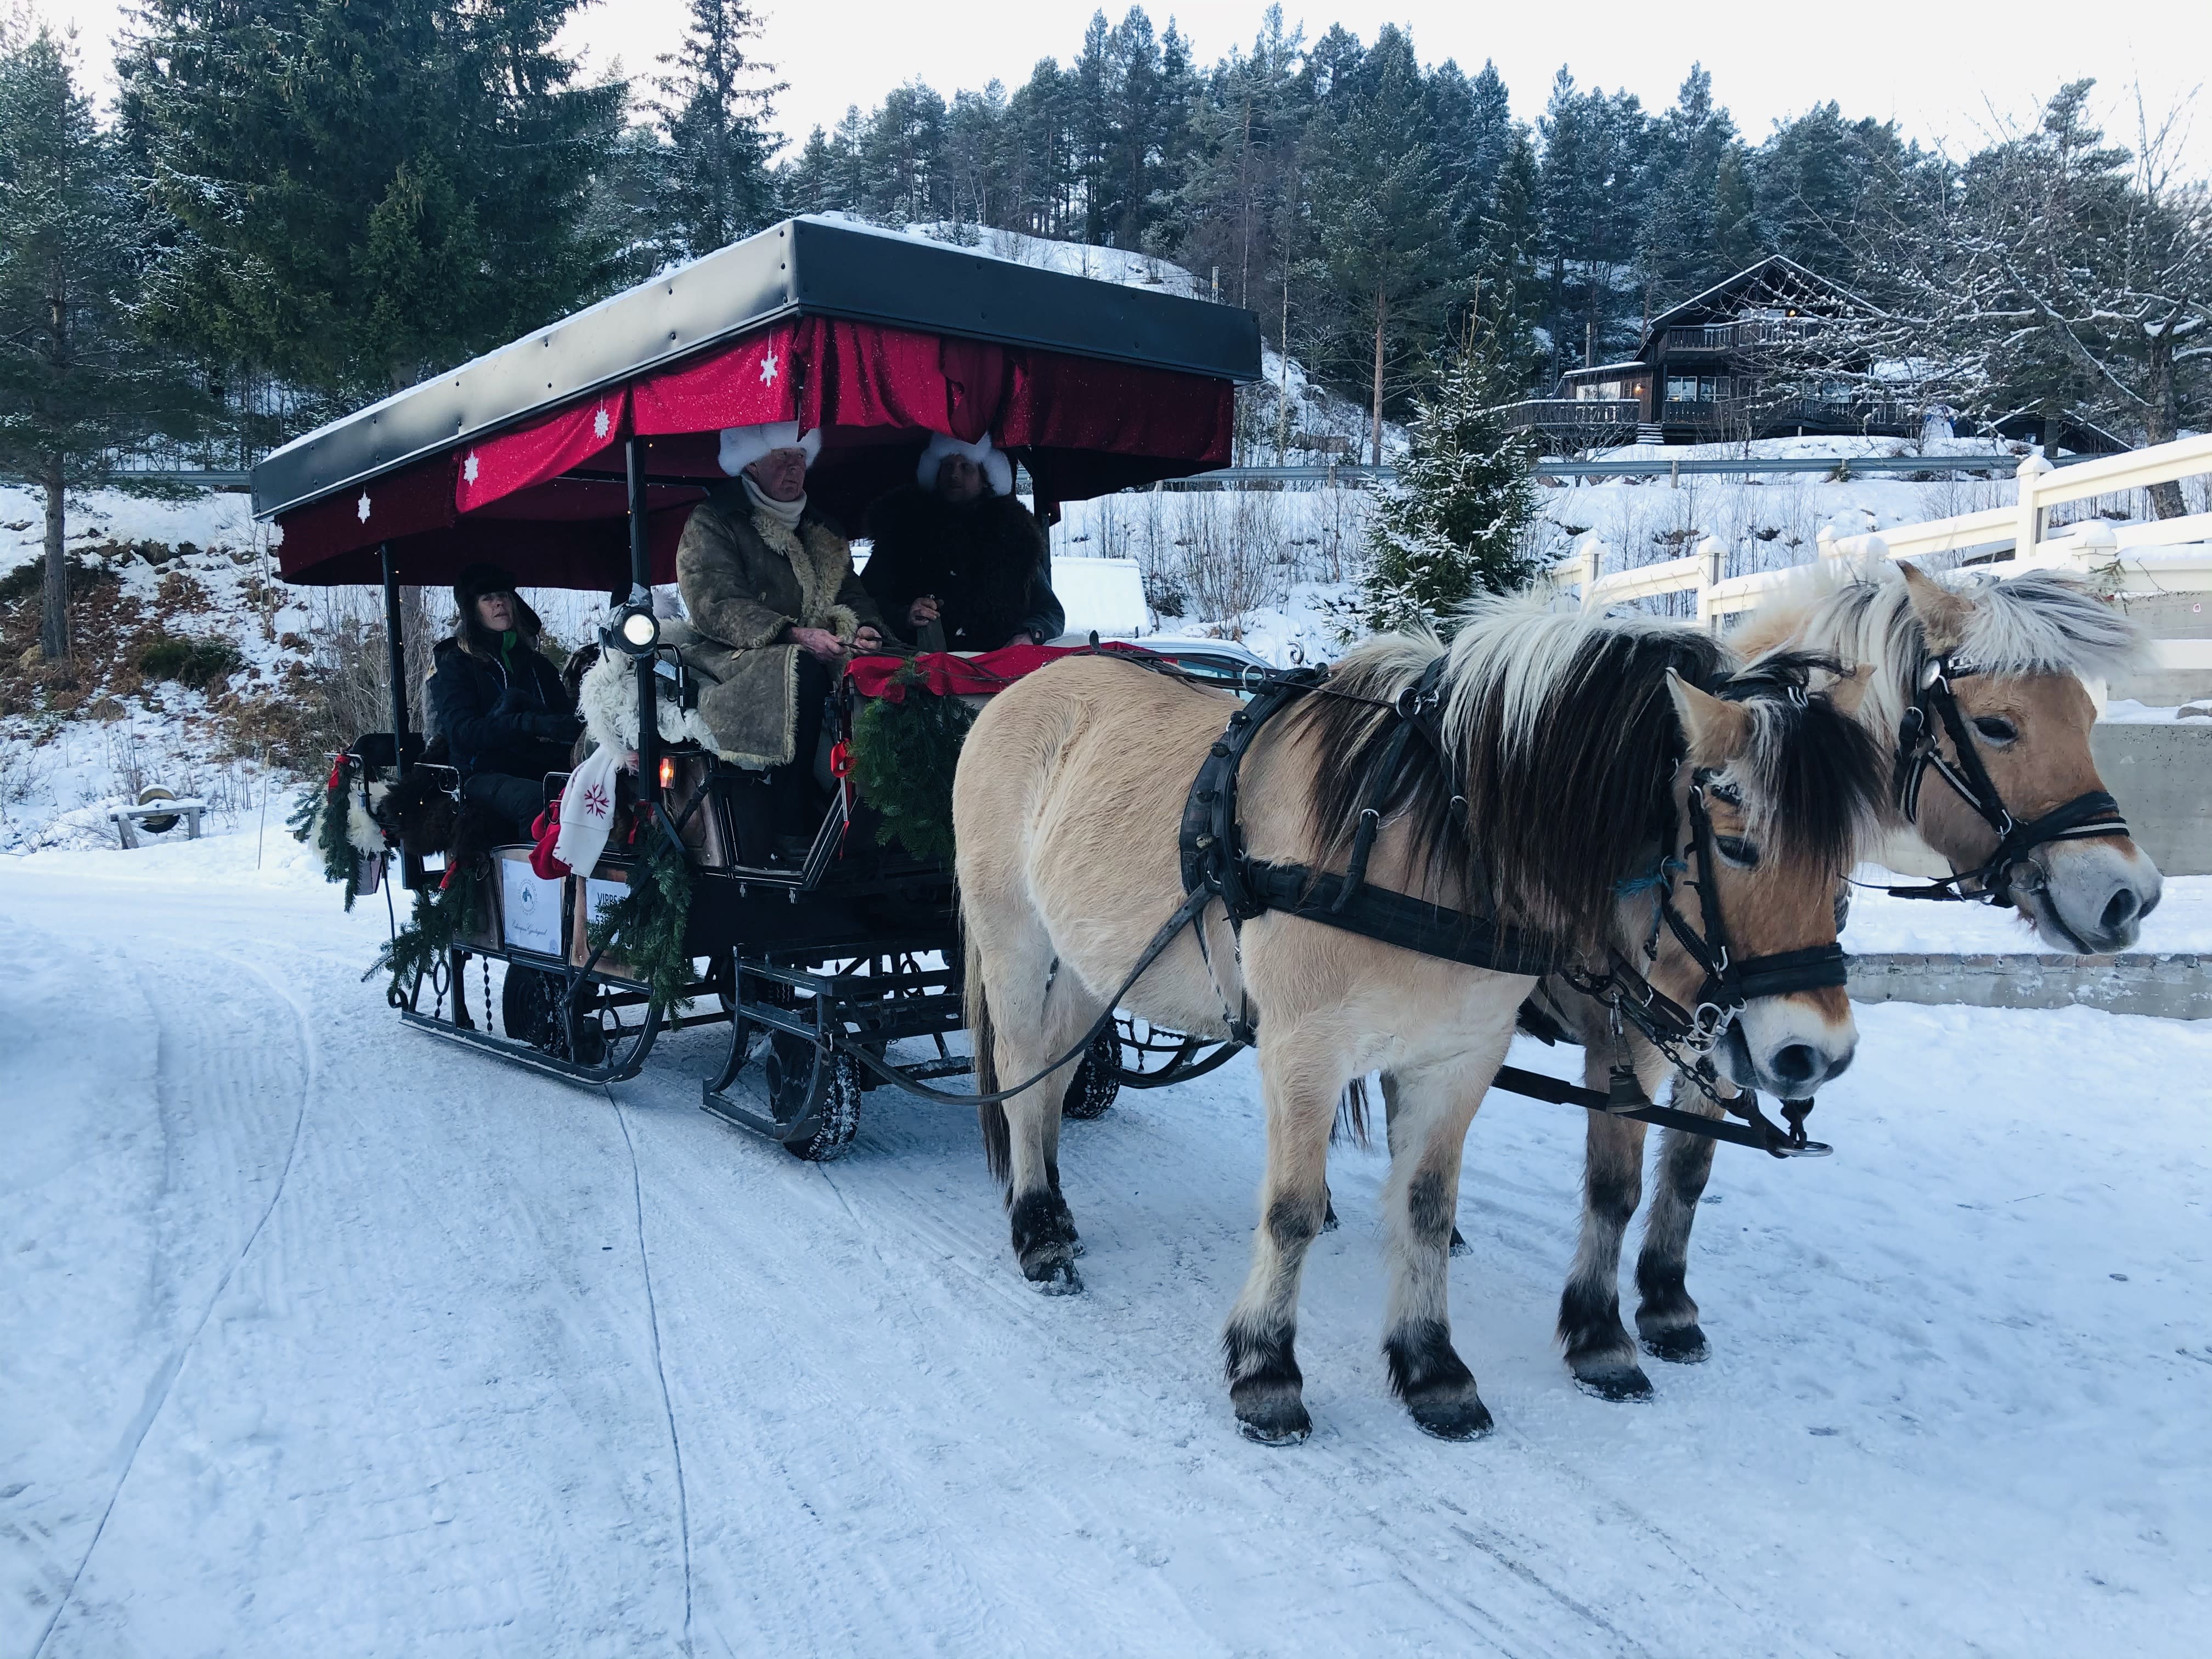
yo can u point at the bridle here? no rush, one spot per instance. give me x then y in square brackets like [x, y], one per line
[2086, 817]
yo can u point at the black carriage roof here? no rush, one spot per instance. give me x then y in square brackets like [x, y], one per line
[804, 266]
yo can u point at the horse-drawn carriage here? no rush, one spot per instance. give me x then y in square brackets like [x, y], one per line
[575, 457]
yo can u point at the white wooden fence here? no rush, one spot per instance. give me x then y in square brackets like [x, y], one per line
[2159, 556]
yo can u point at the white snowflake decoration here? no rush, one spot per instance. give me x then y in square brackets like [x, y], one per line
[599, 423]
[468, 468]
[768, 369]
[361, 508]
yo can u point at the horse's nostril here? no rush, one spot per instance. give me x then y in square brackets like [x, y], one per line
[1795, 1063]
[2121, 909]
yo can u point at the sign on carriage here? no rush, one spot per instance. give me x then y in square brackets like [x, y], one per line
[530, 909]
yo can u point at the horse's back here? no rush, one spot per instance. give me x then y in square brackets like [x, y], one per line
[1069, 800]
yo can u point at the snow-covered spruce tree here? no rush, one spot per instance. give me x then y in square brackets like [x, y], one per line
[1454, 527]
[716, 183]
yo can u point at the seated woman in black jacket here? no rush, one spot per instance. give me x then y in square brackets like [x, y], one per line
[959, 564]
[507, 718]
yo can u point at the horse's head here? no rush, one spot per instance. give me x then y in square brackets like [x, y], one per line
[1775, 792]
[1995, 731]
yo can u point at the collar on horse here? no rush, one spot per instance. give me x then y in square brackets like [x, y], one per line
[2089, 815]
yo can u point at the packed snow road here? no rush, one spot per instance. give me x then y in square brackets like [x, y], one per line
[322, 1337]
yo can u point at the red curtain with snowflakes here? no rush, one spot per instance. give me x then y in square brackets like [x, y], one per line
[547, 496]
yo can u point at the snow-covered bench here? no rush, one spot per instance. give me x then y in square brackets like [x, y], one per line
[128, 819]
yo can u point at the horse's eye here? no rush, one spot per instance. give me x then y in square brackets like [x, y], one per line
[1995, 730]
[1737, 851]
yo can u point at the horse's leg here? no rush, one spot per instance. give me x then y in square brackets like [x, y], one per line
[1666, 1317]
[1265, 1383]
[1600, 1352]
[1435, 1106]
[1459, 1245]
[1030, 1015]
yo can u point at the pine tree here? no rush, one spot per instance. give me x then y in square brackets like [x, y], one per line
[716, 106]
[75, 378]
[1455, 526]
[340, 166]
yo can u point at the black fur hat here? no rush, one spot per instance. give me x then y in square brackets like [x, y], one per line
[476, 581]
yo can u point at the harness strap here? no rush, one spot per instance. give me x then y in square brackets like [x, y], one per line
[1399, 918]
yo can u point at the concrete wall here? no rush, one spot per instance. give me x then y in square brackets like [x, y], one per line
[2161, 775]
[2168, 617]
[2170, 986]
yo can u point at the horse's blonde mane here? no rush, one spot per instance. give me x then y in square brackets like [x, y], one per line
[2039, 622]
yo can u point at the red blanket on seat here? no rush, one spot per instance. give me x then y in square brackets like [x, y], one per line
[949, 675]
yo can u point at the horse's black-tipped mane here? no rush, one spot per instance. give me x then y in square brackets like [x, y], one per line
[1565, 740]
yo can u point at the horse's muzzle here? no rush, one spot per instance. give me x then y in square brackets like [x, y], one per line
[1788, 1046]
[2088, 896]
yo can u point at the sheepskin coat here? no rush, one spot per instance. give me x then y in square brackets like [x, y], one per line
[987, 562]
[746, 578]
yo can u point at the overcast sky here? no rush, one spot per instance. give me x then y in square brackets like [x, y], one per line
[1946, 72]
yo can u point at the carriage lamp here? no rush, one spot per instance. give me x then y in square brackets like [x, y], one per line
[667, 771]
[640, 629]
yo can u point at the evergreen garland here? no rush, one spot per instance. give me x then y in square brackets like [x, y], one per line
[1455, 526]
[445, 915]
[904, 754]
[646, 926]
[321, 818]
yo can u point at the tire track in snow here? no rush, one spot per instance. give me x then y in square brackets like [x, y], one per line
[163, 1383]
[659, 1367]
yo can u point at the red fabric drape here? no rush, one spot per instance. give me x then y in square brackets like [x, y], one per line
[743, 384]
[951, 675]
[499, 466]
[402, 504]
[862, 374]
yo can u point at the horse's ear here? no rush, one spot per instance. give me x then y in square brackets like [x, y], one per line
[1943, 613]
[1713, 729]
[1847, 691]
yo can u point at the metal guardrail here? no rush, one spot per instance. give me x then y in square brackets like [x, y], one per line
[1657, 466]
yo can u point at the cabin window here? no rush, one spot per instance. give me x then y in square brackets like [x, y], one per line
[1696, 388]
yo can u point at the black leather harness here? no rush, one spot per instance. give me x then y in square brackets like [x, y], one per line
[2086, 817]
[1216, 865]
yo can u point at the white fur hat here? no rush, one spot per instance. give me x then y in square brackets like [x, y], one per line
[998, 470]
[743, 445]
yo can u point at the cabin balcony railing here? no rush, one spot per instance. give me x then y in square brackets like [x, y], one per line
[1739, 336]
[1571, 414]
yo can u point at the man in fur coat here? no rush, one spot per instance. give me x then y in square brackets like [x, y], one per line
[771, 591]
[959, 564]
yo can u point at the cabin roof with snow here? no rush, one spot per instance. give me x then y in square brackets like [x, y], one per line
[1776, 284]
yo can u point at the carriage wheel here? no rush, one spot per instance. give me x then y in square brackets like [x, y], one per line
[816, 1096]
[1095, 1084]
[533, 1006]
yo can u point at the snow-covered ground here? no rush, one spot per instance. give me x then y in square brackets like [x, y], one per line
[316, 1336]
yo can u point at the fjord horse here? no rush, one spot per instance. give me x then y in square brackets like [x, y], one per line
[2016, 650]
[1575, 749]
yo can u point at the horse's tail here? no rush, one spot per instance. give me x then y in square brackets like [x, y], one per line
[997, 1146]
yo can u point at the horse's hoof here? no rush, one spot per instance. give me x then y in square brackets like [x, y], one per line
[1459, 1244]
[1279, 1426]
[1615, 1382]
[1683, 1345]
[1053, 1276]
[1452, 1419]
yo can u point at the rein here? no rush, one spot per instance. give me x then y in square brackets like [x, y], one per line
[2086, 817]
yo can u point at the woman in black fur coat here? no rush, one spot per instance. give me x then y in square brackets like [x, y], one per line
[959, 564]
